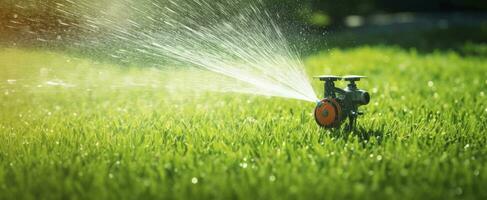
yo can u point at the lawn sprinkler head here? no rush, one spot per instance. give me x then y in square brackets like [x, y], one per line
[340, 104]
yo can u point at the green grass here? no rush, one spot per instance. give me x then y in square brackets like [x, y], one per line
[423, 135]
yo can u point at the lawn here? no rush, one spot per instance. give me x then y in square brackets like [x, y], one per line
[74, 128]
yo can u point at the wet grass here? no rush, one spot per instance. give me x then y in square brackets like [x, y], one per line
[76, 129]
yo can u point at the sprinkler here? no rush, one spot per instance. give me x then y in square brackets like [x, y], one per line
[340, 104]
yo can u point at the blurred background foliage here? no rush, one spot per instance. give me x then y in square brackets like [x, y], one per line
[421, 23]
[319, 13]
[329, 12]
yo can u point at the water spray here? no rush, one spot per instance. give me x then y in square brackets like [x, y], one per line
[340, 104]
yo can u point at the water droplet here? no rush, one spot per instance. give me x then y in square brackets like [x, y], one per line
[243, 165]
[379, 157]
[194, 180]
[436, 95]
[272, 178]
[250, 120]
[431, 84]
[458, 191]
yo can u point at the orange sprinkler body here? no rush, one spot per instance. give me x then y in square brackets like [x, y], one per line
[328, 113]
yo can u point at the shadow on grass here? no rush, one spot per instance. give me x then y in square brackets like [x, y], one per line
[363, 134]
[367, 133]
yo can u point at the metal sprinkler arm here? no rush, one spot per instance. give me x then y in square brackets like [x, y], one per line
[352, 79]
[329, 86]
[340, 91]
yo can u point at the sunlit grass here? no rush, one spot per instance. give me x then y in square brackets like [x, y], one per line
[74, 128]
